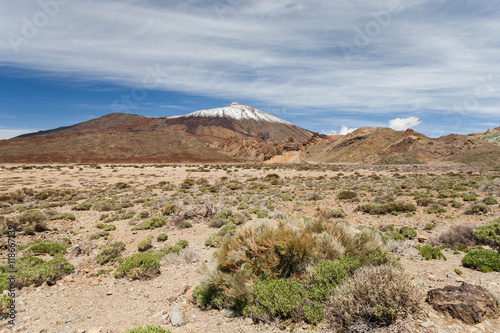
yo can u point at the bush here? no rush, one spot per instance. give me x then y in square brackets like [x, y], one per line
[163, 237]
[168, 209]
[32, 270]
[144, 265]
[478, 209]
[151, 223]
[99, 234]
[489, 234]
[347, 195]
[482, 260]
[376, 296]
[110, 253]
[393, 235]
[469, 197]
[106, 227]
[145, 245]
[297, 260]
[388, 207]
[29, 231]
[429, 252]
[32, 217]
[63, 216]
[213, 240]
[148, 329]
[490, 201]
[122, 185]
[408, 232]
[82, 206]
[455, 237]
[38, 247]
[326, 214]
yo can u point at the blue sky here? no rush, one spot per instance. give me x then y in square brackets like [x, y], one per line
[326, 65]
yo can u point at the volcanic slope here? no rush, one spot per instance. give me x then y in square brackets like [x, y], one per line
[126, 138]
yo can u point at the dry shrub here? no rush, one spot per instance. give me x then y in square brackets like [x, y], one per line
[287, 249]
[375, 297]
[459, 236]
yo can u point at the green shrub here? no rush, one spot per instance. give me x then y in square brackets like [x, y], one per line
[63, 216]
[490, 201]
[145, 245]
[347, 195]
[144, 265]
[478, 209]
[106, 227]
[82, 206]
[326, 214]
[148, 329]
[33, 270]
[99, 234]
[430, 253]
[163, 237]
[482, 260]
[182, 243]
[469, 197]
[387, 207]
[393, 235]
[169, 209]
[31, 217]
[408, 232]
[286, 270]
[29, 231]
[375, 297]
[286, 196]
[151, 223]
[489, 234]
[213, 240]
[122, 185]
[110, 253]
[38, 247]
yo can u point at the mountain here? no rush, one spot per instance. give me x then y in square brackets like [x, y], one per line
[386, 146]
[202, 136]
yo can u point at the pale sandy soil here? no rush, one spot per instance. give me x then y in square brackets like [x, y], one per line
[84, 300]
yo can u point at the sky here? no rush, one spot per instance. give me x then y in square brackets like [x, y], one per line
[329, 66]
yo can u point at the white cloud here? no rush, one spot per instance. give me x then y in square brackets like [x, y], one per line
[402, 124]
[344, 130]
[12, 133]
[284, 52]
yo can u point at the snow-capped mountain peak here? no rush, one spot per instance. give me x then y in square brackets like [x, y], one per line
[238, 112]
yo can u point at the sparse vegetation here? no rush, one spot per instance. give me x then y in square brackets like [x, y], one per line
[482, 260]
[140, 266]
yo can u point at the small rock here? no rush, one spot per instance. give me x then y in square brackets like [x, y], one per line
[109, 292]
[80, 331]
[421, 238]
[229, 314]
[176, 318]
[159, 314]
[68, 319]
[427, 324]
[95, 330]
[248, 321]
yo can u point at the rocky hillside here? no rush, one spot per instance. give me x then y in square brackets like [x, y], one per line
[122, 138]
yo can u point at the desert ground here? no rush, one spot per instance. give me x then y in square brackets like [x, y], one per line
[85, 207]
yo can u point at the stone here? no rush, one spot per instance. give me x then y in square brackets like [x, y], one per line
[68, 319]
[421, 238]
[159, 314]
[248, 321]
[176, 317]
[80, 331]
[427, 324]
[229, 314]
[469, 303]
[95, 330]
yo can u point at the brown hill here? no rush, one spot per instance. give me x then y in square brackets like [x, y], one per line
[386, 146]
[121, 138]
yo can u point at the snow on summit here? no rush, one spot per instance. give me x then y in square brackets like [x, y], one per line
[238, 112]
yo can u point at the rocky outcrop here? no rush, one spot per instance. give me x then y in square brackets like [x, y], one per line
[472, 304]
